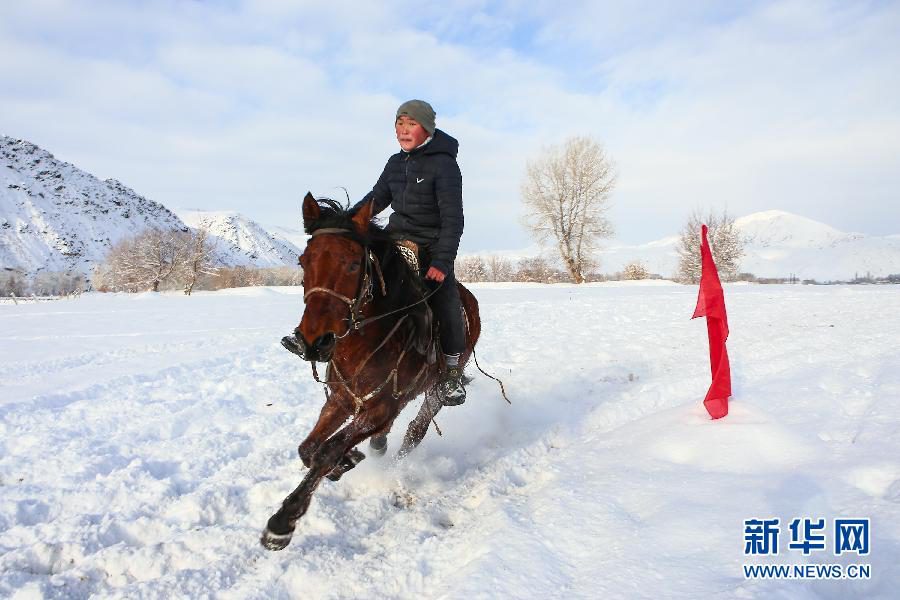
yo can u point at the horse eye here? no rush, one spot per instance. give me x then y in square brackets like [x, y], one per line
[353, 268]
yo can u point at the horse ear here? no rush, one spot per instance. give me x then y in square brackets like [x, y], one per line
[363, 216]
[311, 209]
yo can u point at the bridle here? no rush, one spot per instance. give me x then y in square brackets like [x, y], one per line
[364, 293]
[364, 287]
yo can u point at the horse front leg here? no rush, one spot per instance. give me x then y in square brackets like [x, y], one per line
[377, 444]
[281, 525]
[333, 415]
[378, 441]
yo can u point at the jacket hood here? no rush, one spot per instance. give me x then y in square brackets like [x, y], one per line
[441, 142]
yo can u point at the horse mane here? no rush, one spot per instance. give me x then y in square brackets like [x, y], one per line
[402, 283]
[333, 215]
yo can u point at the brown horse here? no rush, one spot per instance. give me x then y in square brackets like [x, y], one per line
[366, 316]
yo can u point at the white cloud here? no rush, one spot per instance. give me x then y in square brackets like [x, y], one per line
[786, 105]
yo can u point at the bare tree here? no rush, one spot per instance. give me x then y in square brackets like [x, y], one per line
[238, 276]
[102, 278]
[12, 283]
[289, 276]
[144, 261]
[635, 271]
[566, 193]
[199, 258]
[535, 269]
[56, 283]
[499, 268]
[725, 242]
[471, 269]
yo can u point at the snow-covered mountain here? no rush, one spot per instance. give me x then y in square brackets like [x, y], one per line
[779, 244]
[294, 236]
[56, 217]
[241, 241]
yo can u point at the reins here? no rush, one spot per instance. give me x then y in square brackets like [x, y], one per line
[368, 320]
[358, 400]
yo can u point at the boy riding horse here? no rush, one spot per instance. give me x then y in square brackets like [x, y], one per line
[423, 185]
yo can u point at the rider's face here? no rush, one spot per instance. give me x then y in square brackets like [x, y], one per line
[410, 134]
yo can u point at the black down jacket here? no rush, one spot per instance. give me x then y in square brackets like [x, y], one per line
[424, 188]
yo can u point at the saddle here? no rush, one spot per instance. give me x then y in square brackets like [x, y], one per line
[409, 250]
[425, 326]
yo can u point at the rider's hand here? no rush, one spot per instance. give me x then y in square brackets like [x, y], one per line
[435, 274]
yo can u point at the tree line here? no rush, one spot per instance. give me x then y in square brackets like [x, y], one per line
[159, 259]
[537, 269]
[46, 283]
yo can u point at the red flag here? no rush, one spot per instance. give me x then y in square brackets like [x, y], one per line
[711, 304]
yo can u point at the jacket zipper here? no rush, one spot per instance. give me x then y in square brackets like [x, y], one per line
[406, 177]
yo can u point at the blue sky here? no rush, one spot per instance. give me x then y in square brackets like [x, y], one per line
[247, 105]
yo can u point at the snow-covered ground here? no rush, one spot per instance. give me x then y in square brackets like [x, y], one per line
[145, 440]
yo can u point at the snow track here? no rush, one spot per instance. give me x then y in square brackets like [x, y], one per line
[146, 439]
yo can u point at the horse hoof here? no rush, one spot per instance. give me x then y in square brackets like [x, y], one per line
[275, 541]
[347, 462]
[378, 444]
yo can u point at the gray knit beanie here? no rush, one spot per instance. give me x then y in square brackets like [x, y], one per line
[419, 110]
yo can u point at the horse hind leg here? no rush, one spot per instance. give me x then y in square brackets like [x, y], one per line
[418, 427]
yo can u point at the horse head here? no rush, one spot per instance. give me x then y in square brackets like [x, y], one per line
[336, 276]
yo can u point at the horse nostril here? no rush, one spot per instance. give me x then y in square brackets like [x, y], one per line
[325, 342]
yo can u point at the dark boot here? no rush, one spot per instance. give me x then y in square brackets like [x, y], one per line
[453, 392]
